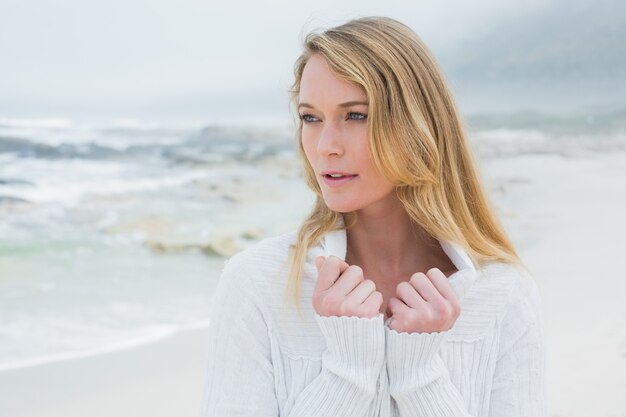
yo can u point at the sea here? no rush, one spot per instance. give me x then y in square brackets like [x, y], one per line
[114, 234]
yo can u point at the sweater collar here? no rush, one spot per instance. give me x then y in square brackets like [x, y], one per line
[335, 243]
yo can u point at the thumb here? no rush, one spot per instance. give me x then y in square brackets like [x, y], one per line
[319, 261]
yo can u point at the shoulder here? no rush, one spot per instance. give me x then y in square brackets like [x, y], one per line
[500, 295]
[518, 281]
[521, 303]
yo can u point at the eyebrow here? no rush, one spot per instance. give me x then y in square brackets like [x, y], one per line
[346, 104]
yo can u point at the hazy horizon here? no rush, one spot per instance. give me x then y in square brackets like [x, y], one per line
[192, 61]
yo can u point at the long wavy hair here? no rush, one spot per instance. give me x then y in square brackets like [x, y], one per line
[417, 141]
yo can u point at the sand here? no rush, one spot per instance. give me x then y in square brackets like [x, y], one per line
[578, 217]
[157, 379]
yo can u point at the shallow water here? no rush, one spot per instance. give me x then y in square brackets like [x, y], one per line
[112, 237]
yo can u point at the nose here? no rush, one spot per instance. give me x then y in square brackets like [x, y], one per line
[329, 142]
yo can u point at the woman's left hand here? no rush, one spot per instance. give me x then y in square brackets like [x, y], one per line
[424, 304]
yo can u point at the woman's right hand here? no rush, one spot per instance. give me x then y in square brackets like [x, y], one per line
[341, 290]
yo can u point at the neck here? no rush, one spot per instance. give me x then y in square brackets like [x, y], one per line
[386, 240]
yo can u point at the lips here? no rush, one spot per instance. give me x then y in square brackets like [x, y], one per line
[329, 174]
[337, 178]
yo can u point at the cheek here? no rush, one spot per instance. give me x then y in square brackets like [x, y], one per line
[309, 149]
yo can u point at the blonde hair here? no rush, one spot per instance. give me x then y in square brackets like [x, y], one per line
[416, 140]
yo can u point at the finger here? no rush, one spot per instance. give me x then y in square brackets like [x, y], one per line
[319, 261]
[329, 271]
[441, 282]
[425, 288]
[343, 265]
[373, 302]
[349, 279]
[395, 306]
[409, 295]
[397, 309]
[363, 290]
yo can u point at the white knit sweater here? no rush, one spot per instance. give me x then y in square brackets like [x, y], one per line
[265, 360]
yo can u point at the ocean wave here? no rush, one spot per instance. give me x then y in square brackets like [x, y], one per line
[27, 148]
[115, 136]
[505, 142]
[123, 134]
[68, 181]
[12, 201]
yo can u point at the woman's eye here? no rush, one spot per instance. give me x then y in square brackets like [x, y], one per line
[307, 118]
[357, 116]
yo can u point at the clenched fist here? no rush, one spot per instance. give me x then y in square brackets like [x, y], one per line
[425, 304]
[341, 290]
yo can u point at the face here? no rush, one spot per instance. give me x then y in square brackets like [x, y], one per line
[335, 140]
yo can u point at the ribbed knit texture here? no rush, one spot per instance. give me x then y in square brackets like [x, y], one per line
[264, 360]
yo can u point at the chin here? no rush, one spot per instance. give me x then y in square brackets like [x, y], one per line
[341, 206]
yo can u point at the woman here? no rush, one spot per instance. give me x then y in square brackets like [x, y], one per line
[405, 297]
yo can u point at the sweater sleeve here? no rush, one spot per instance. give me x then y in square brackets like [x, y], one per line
[420, 384]
[240, 377]
[351, 366]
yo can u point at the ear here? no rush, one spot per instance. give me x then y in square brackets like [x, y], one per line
[319, 261]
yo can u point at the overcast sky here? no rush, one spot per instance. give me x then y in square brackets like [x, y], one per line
[189, 59]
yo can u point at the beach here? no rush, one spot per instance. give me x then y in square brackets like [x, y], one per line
[574, 248]
[560, 196]
[163, 378]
